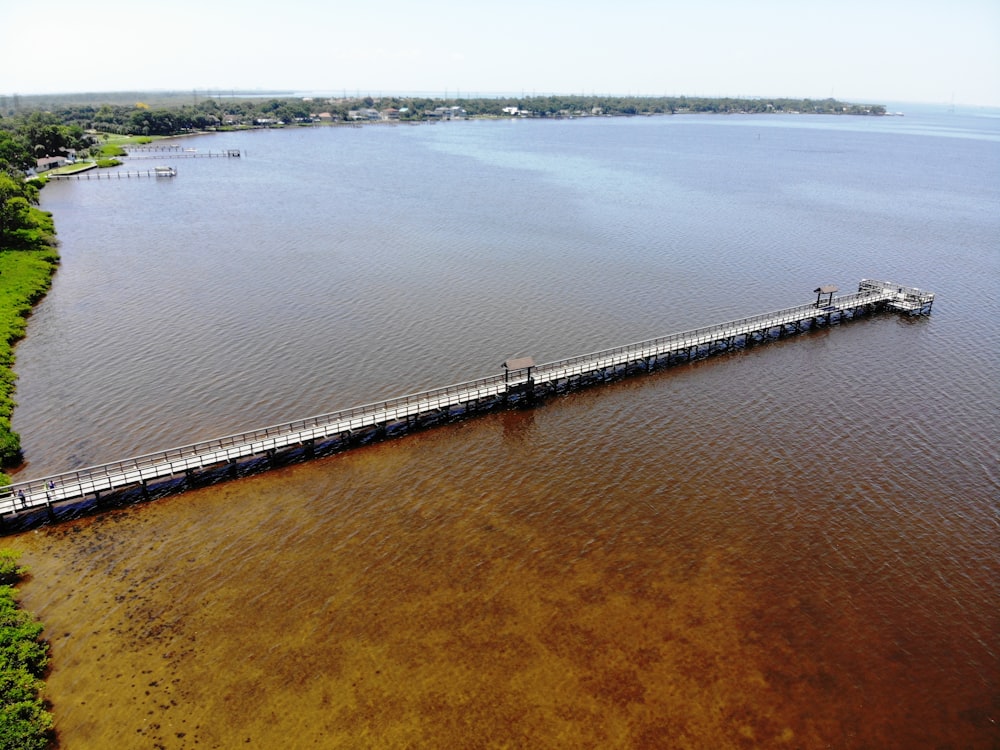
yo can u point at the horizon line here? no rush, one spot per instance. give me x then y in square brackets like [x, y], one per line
[342, 93]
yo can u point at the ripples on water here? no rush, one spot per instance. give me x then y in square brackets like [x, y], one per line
[793, 546]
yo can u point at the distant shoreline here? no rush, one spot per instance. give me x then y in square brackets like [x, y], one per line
[163, 114]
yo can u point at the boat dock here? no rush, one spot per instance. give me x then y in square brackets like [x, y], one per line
[229, 153]
[522, 383]
[118, 174]
[159, 146]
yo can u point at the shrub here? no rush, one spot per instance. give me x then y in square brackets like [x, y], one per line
[10, 568]
[25, 724]
[10, 445]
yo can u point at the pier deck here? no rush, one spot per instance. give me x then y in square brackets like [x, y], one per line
[229, 153]
[117, 174]
[521, 384]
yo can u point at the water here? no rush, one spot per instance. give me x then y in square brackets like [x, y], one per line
[793, 546]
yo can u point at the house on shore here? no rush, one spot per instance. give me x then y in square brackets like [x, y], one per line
[50, 162]
[447, 113]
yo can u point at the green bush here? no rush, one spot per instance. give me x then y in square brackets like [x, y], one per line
[20, 647]
[25, 724]
[10, 447]
[10, 567]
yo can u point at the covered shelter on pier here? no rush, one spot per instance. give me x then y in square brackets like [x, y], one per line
[827, 290]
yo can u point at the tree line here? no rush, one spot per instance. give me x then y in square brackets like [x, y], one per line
[141, 118]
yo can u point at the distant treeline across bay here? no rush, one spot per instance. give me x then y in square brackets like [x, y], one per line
[171, 113]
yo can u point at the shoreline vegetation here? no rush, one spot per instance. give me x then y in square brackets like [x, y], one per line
[28, 261]
[175, 113]
[25, 722]
[25, 277]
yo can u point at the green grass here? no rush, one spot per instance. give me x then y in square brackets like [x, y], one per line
[113, 139]
[109, 150]
[25, 277]
[80, 166]
[113, 144]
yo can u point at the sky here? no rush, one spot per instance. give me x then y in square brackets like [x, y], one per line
[863, 51]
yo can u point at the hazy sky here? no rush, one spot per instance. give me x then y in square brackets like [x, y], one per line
[858, 50]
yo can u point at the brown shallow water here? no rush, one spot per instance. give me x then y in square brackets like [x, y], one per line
[499, 584]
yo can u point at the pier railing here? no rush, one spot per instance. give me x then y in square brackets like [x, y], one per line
[229, 153]
[117, 174]
[903, 298]
[437, 403]
[703, 336]
[232, 448]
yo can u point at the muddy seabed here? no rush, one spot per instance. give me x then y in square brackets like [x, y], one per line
[403, 596]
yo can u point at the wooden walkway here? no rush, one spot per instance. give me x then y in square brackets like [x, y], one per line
[118, 174]
[129, 148]
[521, 384]
[232, 153]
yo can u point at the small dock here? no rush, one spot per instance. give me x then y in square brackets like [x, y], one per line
[230, 153]
[522, 383]
[160, 147]
[117, 174]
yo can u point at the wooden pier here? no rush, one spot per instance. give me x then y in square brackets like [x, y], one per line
[118, 174]
[229, 153]
[521, 384]
[152, 147]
